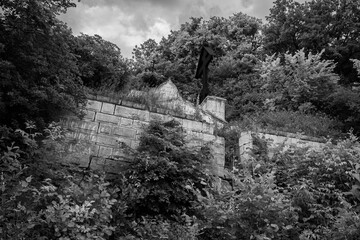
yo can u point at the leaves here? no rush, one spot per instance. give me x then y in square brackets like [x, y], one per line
[316, 25]
[39, 69]
[298, 79]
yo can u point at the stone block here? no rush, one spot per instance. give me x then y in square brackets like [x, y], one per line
[93, 105]
[126, 121]
[195, 143]
[102, 117]
[89, 115]
[140, 124]
[220, 141]
[123, 142]
[127, 103]
[168, 118]
[119, 153]
[179, 120]
[105, 151]
[104, 140]
[132, 113]
[207, 128]
[82, 136]
[90, 127]
[83, 161]
[139, 106]
[125, 132]
[94, 149]
[108, 108]
[196, 126]
[88, 149]
[106, 128]
[162, 111]
[156, 117]
[98, 163]
[192, 125]
[194, 136]
[208, 137]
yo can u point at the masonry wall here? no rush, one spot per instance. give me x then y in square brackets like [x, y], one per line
[112, 127]
[275, 140]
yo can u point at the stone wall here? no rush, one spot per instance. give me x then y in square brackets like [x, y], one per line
[111, 127]
[275, 140]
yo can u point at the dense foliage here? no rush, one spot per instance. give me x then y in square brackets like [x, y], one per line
[39, 75]
[297, 73]
[317, 25]
[166, 191]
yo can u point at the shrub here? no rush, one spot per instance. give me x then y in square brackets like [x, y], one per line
[163, 173]
[65, 206]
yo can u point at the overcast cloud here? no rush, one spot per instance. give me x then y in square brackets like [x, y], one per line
[130, 22]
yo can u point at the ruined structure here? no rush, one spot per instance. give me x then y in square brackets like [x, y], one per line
[112, 126]
[275, 141]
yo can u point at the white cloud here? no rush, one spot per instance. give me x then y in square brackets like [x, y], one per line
[130, 22]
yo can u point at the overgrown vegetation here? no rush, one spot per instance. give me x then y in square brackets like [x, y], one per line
[167, 192]
[298, 73]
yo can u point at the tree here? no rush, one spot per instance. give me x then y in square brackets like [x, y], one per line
[164, 173]
[177, 55]
[145, 55]
[315, 25]
[39, 76]
[100, 63]
[299, 82]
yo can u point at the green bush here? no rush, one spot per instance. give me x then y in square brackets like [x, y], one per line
[164, 173]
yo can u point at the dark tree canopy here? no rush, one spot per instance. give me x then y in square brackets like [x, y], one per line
[100, 63]
[39, 75]
[315, 25]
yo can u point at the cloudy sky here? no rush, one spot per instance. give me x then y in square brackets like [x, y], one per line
[130, 22]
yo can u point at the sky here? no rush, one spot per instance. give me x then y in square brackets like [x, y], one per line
[131, 22]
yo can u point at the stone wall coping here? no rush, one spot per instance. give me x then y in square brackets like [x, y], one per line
[292, 135]
[213, 97]
[155, 109]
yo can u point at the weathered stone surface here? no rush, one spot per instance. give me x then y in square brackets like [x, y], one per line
[126, 121]
[273, 142]
[102, 117]
[156, 116]
[84, 125]
[132, 113]
[105, 151]
[207, 128]
[78, 136]
[106, 128]
[123, 140]
[125, 132]
[114, 126]
[108, 108]
[192, 125]
[208, 137]
[93, 105]
[215, 106]
[89, 115]
[137, 124]
[104, 140]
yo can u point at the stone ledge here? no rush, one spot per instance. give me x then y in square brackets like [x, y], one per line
[292, 135]
[126, 103]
